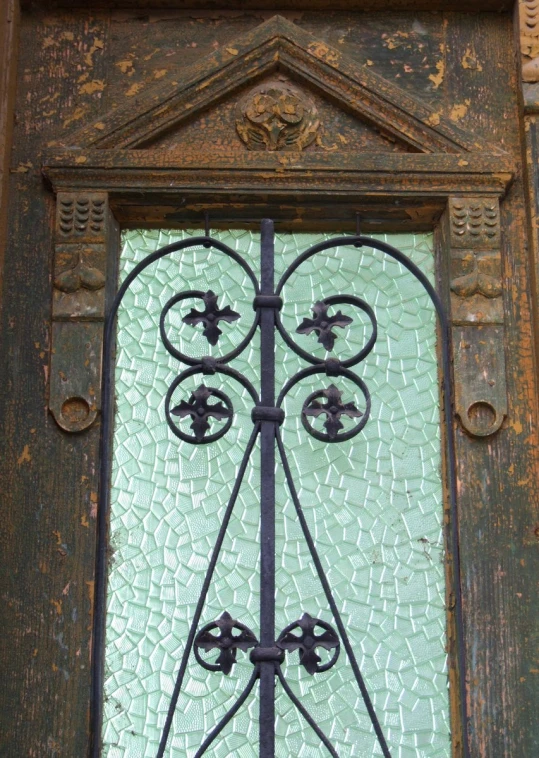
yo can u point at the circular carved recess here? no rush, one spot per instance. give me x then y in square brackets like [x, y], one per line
[484, 418]
[75, 413]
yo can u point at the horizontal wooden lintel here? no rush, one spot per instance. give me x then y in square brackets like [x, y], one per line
[406, 174]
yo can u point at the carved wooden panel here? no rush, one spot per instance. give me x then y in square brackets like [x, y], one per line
[274, 47]
[78, 308]
[529, 39]
[477, 314]
[475, 222]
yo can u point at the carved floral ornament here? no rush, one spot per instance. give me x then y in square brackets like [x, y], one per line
[276, 117]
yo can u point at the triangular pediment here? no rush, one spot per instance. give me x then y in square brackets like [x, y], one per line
[278, 62]
[275, 114]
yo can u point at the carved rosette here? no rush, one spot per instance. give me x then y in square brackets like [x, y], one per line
[276, 117]
[78, 307]
[477, 314]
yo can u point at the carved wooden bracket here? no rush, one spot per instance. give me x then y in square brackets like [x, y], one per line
[477, 314]
[529, 39]
[78, 310]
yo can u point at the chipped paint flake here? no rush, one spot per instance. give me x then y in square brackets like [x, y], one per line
[459, 111]
[133, 89]
[322, 51]
[469, 60]
[96, 85]
[78, 113]
[438, 78]
[25, 456]
[89, 57]
[126, 67]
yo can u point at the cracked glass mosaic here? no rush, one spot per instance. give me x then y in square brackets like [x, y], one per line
[374, 506]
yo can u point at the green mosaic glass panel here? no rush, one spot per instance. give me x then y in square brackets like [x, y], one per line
[374, 505]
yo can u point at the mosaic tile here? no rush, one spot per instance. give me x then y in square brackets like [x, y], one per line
[373, 504]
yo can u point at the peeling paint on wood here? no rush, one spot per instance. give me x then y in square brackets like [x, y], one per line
[76, 68]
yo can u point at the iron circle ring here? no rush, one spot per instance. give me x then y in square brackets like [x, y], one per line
[205, 664]
[324, 624]
[199, 369]
[340, 436]
[208, 628]
[336, 300]
[191, 438]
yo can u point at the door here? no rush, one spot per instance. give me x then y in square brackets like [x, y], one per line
[146, 118]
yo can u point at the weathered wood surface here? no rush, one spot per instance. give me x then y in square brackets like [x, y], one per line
[495, 6]
[364, 174]
[9, 37]
[75, 68]
[278, 45]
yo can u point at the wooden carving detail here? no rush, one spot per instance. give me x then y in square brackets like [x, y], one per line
[278, 45]
[476, 286]
[480, 275]
[78, 308]
[476, 267]
[475, 222]
[529, 39]
[477, 314]
[79, 274]
[276, 117]
[81, 216]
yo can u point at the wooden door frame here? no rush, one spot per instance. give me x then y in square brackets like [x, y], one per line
[426, 193]
[409, 188]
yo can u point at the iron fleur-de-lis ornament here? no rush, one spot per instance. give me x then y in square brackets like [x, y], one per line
[200, 410]
[210, 317]
[323, 324]
[333, 408]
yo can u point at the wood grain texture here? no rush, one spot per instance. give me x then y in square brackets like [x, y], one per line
[278, 45]
[495, 6]
[48, 478]
[79, 65]
[9, 38]
[498, 498]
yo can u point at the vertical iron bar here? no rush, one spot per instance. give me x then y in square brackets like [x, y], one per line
[267, 496]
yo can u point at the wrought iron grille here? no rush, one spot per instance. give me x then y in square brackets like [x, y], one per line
[206, 416]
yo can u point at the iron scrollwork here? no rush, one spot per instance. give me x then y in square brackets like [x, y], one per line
[200, 411]
[209, 421]
[210, 317]
[308, 641]
[210, 413]
[226, 642]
